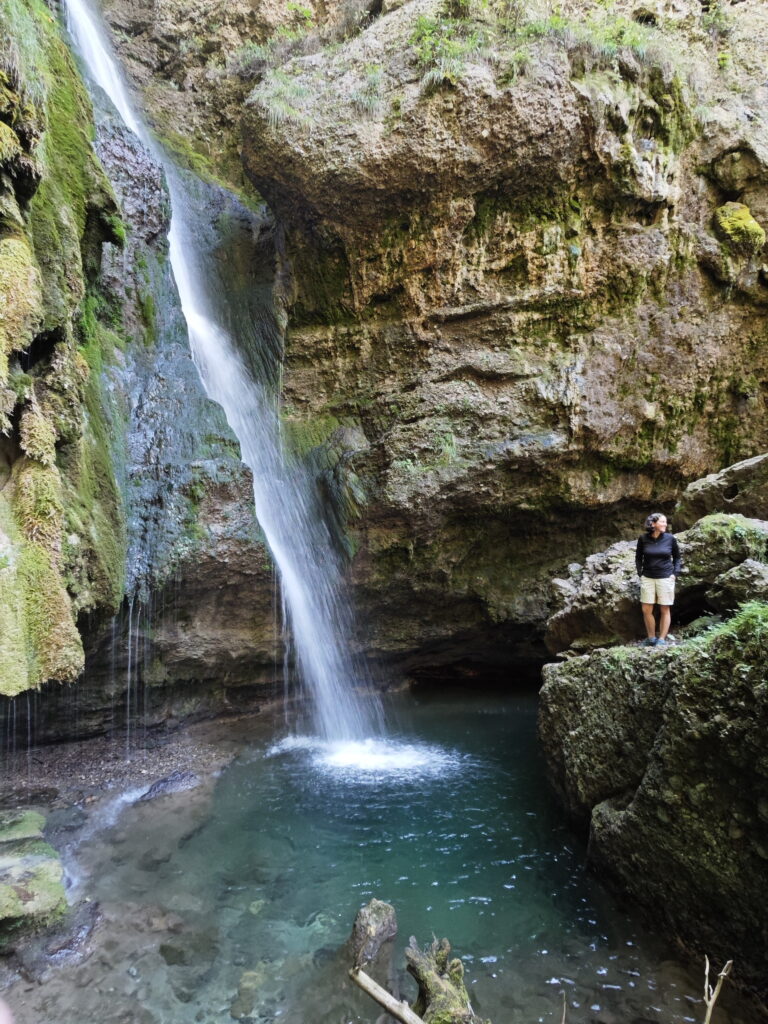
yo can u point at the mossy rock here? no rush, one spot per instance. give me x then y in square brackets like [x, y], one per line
[20, 824]
[31, 886]
[738, 229]
[10, 147]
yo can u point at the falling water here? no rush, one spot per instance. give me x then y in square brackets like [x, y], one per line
[285, 506]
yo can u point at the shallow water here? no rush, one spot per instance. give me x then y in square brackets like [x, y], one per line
[253, 882]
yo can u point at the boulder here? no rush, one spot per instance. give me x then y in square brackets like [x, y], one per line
[745, 582]
[662, 754]
[741, 488]
[31, 876]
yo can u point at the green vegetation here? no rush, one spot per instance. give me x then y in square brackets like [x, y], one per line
[254, 60]
[303, 434]
[442, 46]
[367, 99]
[61, 518]
[738, 229]
[282, 97]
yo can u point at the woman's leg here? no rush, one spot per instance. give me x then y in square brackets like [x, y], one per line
[665, 619]
[650, 621]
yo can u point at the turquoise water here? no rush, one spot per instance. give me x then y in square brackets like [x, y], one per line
[255, 887]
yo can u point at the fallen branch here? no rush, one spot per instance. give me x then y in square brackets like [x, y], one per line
[399, 1010]
[710, 994]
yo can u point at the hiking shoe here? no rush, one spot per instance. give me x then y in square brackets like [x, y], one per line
[660, 642]
[649, 641]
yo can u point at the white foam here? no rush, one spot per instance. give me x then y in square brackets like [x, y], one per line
[370, 759]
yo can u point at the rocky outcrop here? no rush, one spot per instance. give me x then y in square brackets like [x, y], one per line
[742, 488]
[527, 277]
[662, 753]
[598, 603]
[659, 751]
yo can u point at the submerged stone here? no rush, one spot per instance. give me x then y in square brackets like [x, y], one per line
[31, 876]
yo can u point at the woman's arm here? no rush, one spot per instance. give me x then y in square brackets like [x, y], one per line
[677, 558]
[639, 555]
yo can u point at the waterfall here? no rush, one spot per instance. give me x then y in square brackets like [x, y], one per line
[299, 539]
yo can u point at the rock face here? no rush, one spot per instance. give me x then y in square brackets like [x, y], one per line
[660, 751]
[62, 525]
[121, 486]
[510, 276]
[598, 604]
[528, 277]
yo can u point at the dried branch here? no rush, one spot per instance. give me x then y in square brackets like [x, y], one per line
[710, 994]
[399, 1010]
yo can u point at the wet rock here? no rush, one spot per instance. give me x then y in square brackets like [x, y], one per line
[31, 878]
[68, 942]
[65, 819]
[176, 782]
[375, 924]
[247, 990]
[24, 796]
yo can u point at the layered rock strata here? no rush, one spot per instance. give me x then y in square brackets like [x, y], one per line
[528, 277]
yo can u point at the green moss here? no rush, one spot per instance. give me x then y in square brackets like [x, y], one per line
[10, 147]
[21, 824]
[302, 435]
[54, 646]
[731, 533]
[738, 229]
[31, 887]
[37, 435]
[117, 229]
[66, 212]
[20, 298]
[37, 503]
[149, 316]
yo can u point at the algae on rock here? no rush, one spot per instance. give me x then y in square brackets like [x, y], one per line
[57, 206]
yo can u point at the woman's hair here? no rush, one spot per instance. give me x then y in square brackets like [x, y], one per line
[652, 519]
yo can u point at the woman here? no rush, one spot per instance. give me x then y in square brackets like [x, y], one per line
[658, 564]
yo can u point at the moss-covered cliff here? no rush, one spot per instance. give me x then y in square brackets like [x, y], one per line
[121, 485]
[526, 247]
[62, 531]
[659, 751]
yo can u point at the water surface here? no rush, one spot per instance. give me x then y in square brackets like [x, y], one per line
[252, 885]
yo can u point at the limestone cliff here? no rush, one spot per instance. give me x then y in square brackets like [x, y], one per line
[62, 527]
[121, 486]
[527, 250]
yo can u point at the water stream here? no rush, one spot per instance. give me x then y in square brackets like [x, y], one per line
[300, 542]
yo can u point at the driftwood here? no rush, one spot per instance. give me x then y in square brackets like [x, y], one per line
[442, 995]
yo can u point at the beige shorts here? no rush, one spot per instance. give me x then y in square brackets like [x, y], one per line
[657, 591]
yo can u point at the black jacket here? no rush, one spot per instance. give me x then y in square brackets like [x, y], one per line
[657, 559]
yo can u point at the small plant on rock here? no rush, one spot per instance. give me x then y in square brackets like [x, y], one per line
[442, 47]
[367, 99]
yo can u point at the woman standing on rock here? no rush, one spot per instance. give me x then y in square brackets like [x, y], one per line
[658, 563]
